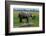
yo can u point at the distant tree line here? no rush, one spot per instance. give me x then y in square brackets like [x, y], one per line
[27, 10]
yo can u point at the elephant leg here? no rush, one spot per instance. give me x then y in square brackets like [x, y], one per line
[27, 20]
[20, 19]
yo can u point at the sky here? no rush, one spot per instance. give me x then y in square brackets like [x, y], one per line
[26, 8]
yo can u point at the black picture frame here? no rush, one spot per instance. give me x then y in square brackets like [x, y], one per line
[7, 20]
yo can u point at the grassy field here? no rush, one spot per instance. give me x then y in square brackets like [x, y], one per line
[33, 20]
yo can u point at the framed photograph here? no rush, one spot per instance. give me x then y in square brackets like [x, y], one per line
[24, 17]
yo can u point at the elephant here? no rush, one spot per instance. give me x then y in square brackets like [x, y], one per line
[24, 16]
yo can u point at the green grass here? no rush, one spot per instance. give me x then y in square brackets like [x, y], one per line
[34, 20]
